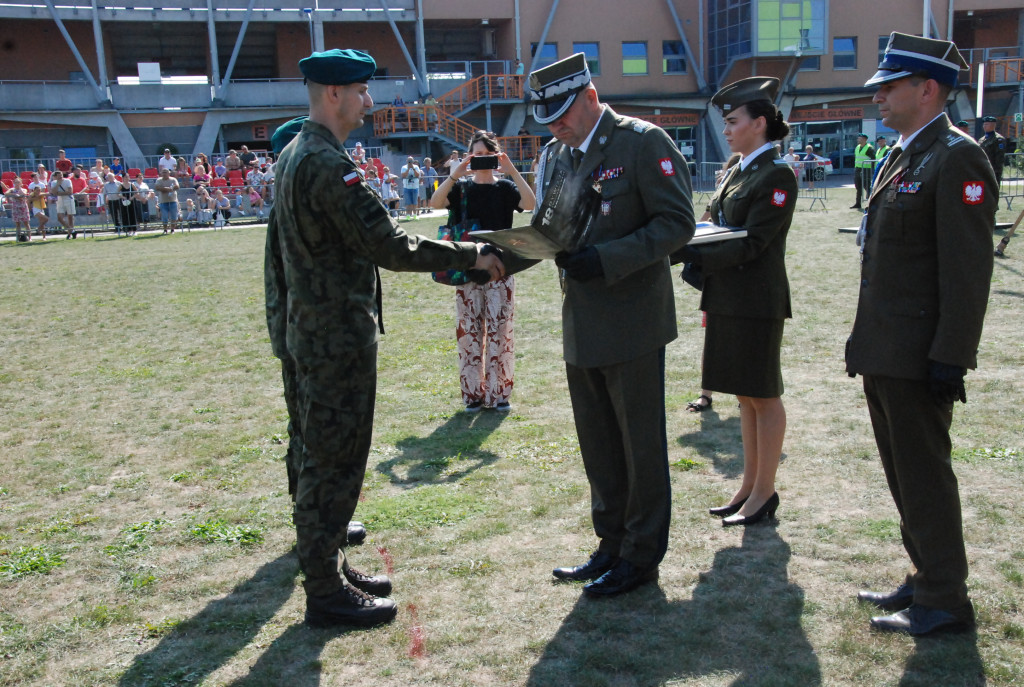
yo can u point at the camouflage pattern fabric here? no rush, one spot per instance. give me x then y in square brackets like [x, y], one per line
[327, 234]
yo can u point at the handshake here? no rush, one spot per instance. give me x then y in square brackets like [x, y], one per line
[488, 266]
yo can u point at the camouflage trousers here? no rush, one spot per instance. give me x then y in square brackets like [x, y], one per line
[335, 428]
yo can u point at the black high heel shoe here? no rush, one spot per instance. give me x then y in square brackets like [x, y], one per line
[723, 511]
[765, 511]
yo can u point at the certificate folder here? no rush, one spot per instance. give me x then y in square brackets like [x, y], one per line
[561, 224]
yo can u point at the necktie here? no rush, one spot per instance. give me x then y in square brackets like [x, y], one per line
[577, 158]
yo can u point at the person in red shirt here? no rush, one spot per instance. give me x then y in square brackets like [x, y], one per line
[62, 164]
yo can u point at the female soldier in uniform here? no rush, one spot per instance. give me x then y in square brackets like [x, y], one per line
[746, 292]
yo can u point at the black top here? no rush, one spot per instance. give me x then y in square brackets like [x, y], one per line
[491, 205]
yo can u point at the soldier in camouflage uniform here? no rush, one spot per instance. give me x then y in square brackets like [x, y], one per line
[277, 319]
[333, 233]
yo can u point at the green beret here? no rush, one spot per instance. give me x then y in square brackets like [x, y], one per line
[285, 133]
[862, 135]
[751, 89]
[989, 119]
[962, 123]
[338, 67]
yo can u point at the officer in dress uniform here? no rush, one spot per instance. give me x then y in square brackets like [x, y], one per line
[925, 271]
[332, 234]
[994, 145]
[619, 282]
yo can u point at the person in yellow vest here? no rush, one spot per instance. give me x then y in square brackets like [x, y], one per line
[863, 166]
[881, 151]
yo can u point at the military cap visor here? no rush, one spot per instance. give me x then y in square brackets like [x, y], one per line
[553, 89]
[749, 90]
[338, 67]
[907, 55]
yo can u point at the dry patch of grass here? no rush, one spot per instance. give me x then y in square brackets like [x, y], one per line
[145, 534]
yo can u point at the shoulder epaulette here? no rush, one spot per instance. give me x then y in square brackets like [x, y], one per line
[952, 139]
[637, 125]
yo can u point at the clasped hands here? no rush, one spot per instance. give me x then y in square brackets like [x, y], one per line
[488, 266]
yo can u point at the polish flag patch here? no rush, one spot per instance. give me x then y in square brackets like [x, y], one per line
[779, 198]
[974, 192]
[667, 168]
[351, 179]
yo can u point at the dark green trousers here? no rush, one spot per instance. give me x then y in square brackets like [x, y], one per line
[912, 433]
[620, 419]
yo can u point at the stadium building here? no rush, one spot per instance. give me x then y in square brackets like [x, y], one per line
[100, 79]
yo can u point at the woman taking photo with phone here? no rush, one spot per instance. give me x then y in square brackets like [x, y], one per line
[484, 313]
[746, 291]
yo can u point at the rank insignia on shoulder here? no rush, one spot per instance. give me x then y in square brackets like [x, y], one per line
[351, 179]
[974, 192]
[953, 139]
[779, 198]
[641, 126]
[667, 168]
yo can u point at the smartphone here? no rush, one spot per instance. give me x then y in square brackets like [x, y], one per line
[483, 162]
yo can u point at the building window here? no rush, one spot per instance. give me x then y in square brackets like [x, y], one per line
[844, 52]
[549, 55]
[811, 64]
[634, 58]
[673, 57]
[593, 53]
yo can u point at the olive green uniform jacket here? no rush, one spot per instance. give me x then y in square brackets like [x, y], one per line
[646, 214]
[747, 277]
[926, 262]
[995, 148]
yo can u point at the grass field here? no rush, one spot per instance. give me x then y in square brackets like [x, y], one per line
[145, 534]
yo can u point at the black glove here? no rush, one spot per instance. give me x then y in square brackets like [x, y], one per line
[582, 266]
[946, 382]
[690, 254]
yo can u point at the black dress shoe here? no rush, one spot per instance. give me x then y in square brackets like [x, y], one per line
[919, 621]
[599, 563]
[889, 601]
[620, 579]
[723, 511]
[767, 511]
[356, 533]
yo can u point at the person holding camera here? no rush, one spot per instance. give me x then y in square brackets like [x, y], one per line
[411, 186]
[484, 313]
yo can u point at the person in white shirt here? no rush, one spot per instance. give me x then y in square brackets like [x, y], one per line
[64, 208]
[411, 185]
[167, 162]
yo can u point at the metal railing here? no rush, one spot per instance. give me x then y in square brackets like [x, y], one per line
[810, 183]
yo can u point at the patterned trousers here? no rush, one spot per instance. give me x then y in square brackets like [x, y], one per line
[484, 328]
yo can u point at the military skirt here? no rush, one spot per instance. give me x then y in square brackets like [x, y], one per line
[742, 356]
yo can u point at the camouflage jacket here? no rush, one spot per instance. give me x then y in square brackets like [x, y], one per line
[333, 232]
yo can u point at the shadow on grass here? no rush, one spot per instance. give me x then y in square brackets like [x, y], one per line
[742, 620]
[448, 454]
[198, 646]
[952, 661]
[718, 441]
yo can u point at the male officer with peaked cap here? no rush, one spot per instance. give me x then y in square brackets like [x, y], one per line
[994, 145]
[617, 316]
[925, 270]
[333, 233]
